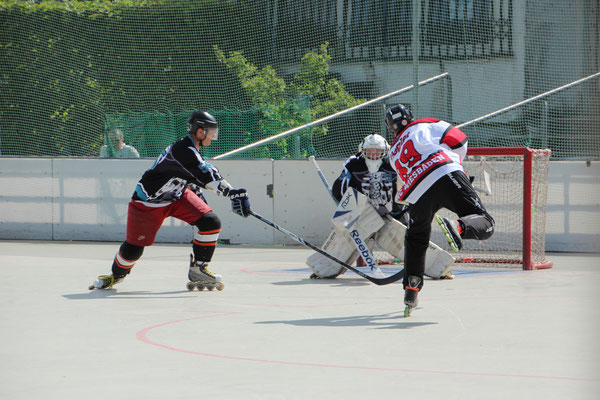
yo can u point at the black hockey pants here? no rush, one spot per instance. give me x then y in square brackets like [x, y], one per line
[454, 192]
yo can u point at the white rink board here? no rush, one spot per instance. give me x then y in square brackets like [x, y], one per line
[27, 198]
[254, 176]
[302, 204]
[86, 199]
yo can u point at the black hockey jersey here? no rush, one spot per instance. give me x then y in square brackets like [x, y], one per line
[379, 187]
[178, 165]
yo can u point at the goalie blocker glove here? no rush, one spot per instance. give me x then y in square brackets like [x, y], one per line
[239, 202]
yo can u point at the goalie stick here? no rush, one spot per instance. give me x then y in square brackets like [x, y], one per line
[323, 179]
[378, 281]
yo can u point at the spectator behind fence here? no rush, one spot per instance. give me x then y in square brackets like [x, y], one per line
[118, 148]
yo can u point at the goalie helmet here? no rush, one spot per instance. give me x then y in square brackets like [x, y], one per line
[397, 118]
[373, 149]
[202, 119]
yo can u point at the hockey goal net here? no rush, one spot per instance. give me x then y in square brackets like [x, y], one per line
[512, 183]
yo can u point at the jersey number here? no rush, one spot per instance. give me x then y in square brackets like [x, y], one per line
[408, 156]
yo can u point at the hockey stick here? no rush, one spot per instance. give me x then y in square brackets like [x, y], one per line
[378, 281]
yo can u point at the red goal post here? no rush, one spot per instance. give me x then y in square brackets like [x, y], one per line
[513, 186]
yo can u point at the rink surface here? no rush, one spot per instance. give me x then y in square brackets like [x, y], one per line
[275, 334]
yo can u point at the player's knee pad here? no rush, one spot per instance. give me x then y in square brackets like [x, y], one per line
[208, 222]
[339, 245]
[205, 238]
[478, 226]
[131, 251]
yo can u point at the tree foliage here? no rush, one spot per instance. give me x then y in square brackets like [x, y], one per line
[311, 94]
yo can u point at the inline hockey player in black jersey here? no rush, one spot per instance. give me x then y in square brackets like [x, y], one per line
[165, 190]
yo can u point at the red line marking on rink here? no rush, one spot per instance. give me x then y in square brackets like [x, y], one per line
[142, 336]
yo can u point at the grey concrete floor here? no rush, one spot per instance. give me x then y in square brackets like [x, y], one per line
[275, 334]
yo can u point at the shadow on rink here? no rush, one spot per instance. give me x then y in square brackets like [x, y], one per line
[382, 321]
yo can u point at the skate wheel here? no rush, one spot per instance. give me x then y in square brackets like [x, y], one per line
[91, 287]
[210, 288]
[190, 286]
[407, 311]
[201, 288]
[220, 286]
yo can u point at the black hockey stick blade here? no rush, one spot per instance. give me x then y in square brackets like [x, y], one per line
[378, 281]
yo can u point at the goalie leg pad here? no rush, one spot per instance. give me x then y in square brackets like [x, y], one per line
[355, 212]
[438, 262]
[369, 222]
[391, 237]
[339, 245]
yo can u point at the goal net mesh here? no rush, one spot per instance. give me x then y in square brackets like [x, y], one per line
[499, 181]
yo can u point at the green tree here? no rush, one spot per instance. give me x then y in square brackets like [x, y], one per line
[311, 94]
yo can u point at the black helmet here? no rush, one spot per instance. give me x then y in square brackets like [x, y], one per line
[397, 118]
[201, 119]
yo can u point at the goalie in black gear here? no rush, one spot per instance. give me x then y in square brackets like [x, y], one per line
[381, 220]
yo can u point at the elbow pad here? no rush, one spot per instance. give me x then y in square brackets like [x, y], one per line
[222, 187]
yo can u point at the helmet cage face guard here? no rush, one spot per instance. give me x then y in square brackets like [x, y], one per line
[374, 149]
[373, 153]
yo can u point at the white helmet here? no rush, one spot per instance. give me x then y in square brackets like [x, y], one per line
[373, 149]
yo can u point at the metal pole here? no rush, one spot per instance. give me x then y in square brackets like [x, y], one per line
[529, 100]
[416, 53]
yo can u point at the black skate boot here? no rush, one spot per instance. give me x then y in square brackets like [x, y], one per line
[411, 292]
[450, 230]
[201, 277]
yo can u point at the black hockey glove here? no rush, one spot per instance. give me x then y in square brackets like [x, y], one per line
[239, 202]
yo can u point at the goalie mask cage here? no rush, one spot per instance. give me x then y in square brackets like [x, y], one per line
[512, 183]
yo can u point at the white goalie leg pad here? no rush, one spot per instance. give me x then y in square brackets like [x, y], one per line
[438, 262]
[391, 238]
[339, 245]
[353, 212]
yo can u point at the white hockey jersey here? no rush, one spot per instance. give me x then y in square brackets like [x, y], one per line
[423, 152]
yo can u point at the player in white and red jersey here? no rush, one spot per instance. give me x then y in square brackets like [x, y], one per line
[172, 188]
[427, 155]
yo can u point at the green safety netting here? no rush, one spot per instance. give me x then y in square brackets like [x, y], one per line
[73, 72]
